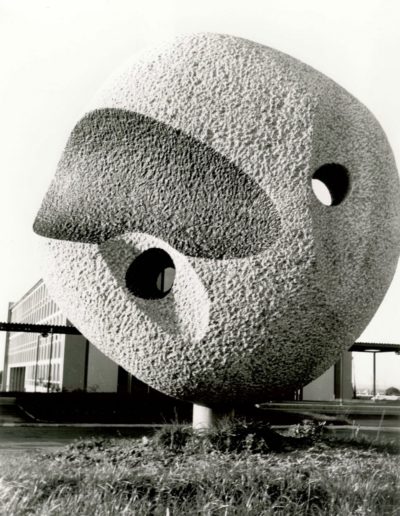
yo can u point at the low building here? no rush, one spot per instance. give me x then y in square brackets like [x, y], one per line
[37, 363]
[57, 362]
[335, 383]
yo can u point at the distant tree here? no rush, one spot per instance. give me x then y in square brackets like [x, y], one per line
[392, 391]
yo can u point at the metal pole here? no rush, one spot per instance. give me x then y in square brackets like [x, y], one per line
[374, 374]
[86, 370]
[341, 378]
[50, 355]
[7, 350]
[36, 361]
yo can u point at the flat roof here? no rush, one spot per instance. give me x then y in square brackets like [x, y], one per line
[377, 347]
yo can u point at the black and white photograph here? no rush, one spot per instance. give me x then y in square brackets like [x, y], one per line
[199, 267]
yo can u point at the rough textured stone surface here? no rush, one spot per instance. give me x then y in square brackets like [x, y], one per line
[242, 128]
[159, 181]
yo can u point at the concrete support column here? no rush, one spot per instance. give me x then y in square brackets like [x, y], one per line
[205, 417]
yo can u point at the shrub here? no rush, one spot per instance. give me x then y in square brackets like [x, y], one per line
[309, 430]
[392, 391]
[227, 436]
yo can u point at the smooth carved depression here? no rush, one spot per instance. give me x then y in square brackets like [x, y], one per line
[223, 222]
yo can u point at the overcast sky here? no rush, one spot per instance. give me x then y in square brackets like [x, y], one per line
[55, 55]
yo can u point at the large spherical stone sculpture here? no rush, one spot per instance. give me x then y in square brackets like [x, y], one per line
[184, 238]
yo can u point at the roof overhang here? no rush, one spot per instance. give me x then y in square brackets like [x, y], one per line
[375, 347]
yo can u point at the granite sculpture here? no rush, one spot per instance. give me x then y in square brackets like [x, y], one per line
[183, 234]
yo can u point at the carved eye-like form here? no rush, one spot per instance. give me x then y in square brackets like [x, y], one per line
[330, 184]
[151, 274]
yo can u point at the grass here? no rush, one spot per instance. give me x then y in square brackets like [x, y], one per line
[238, 469]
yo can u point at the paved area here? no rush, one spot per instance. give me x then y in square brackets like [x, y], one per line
[22, 438]
[16, 439]
[10, 412]
[20, 433]
[357, 412]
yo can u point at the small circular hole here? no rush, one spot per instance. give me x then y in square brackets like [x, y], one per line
[151, 275]
[330, 184]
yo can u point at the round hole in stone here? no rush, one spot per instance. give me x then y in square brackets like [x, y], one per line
[151, 275]
[330, 184]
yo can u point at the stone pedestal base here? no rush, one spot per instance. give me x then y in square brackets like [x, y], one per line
[205, 417]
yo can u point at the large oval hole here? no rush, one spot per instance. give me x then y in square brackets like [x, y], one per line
[151, 275]
[330, 184]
